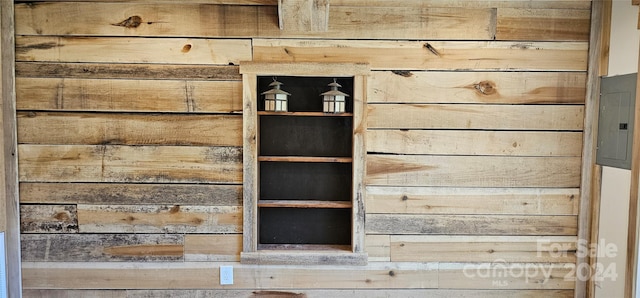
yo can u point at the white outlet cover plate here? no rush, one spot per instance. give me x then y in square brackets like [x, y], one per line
[226, 275]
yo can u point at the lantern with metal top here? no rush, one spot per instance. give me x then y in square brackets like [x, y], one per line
[334, 100]
[275, 99]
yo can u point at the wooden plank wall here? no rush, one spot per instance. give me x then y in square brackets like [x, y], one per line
[130, 162]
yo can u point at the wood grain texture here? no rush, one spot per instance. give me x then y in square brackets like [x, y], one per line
[193, 276]
[250, 183]
[304, 257]
[224, 2]
[543, 24]
[432, 55]
[159, 219]
[460, 142]
[293, 293]
[128, 129]
[303, 15]
[216, 248]
[473, 171]
[378, 247]
[228, 21]
[507, 249]
[131, 194]
[48, 219]
[199, 275]
[126, 71]
[467, 116]
[128, 95]
[477, 87]
[498, 225]
[102, 247]
[132, 50]
[576, 4]
[104, 163]
[555, 276]
[437, 200]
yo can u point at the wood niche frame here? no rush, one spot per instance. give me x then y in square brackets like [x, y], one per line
[250, 252]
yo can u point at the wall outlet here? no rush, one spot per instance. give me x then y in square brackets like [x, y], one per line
[226, 275]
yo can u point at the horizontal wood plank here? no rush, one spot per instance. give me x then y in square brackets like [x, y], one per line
[106, 163]
[159, 219]
[126, 71]
[399, 293]
[193, 276]
[438, 200]
[200, 275]
[378, 247]
[128, 95]
[132, 50]
[48, 219]
[477, 87]
[543, 24]
[129, 129]
[466, 116]
[131, 194]
[459, 142]
[473, 171]
[212, 247]
[576, 4]
[431, 55]
[509, 249]
[102, 247]
[212, 20]
[225, 2]
[499, 225]
[506, 276]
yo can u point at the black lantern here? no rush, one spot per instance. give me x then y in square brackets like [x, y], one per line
[334, 100]
[275, 99]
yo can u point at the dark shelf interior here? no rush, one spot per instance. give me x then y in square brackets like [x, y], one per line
[305, 136]
[305, 181]
[304, 226]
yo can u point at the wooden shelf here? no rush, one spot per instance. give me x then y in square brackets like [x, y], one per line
[304, 204]
[305, 247]
[305, 159]
[306, 114]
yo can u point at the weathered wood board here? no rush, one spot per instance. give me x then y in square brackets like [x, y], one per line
[128, 95]
[466, 142]
[473, 171]
[301, 293]
[133, 50]
[131, 194]
[438, 200]
[159, 219]
[378, 247]
[48, 219]
[129, 129]
[502, 275]
[211, 20]
[429, 55]
[192, 275]
[543, 24]
[468, 116]
[102, 247]
[507, 249]
[499, 225]
[477, 87]
[107, 163]
[126, 71]
[575, 4]
[212, 247]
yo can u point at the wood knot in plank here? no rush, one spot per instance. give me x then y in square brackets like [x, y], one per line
[404, 198]
[391, 273]
[402, 73]
[130, 22]
[175, 209]
[431, 49]
[186, 48]
[485, 87]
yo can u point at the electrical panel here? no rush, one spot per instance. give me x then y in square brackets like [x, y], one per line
[615, 124]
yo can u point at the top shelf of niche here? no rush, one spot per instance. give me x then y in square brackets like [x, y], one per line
[305, 99]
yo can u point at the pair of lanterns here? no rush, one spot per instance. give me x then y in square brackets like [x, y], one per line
[333, 101]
